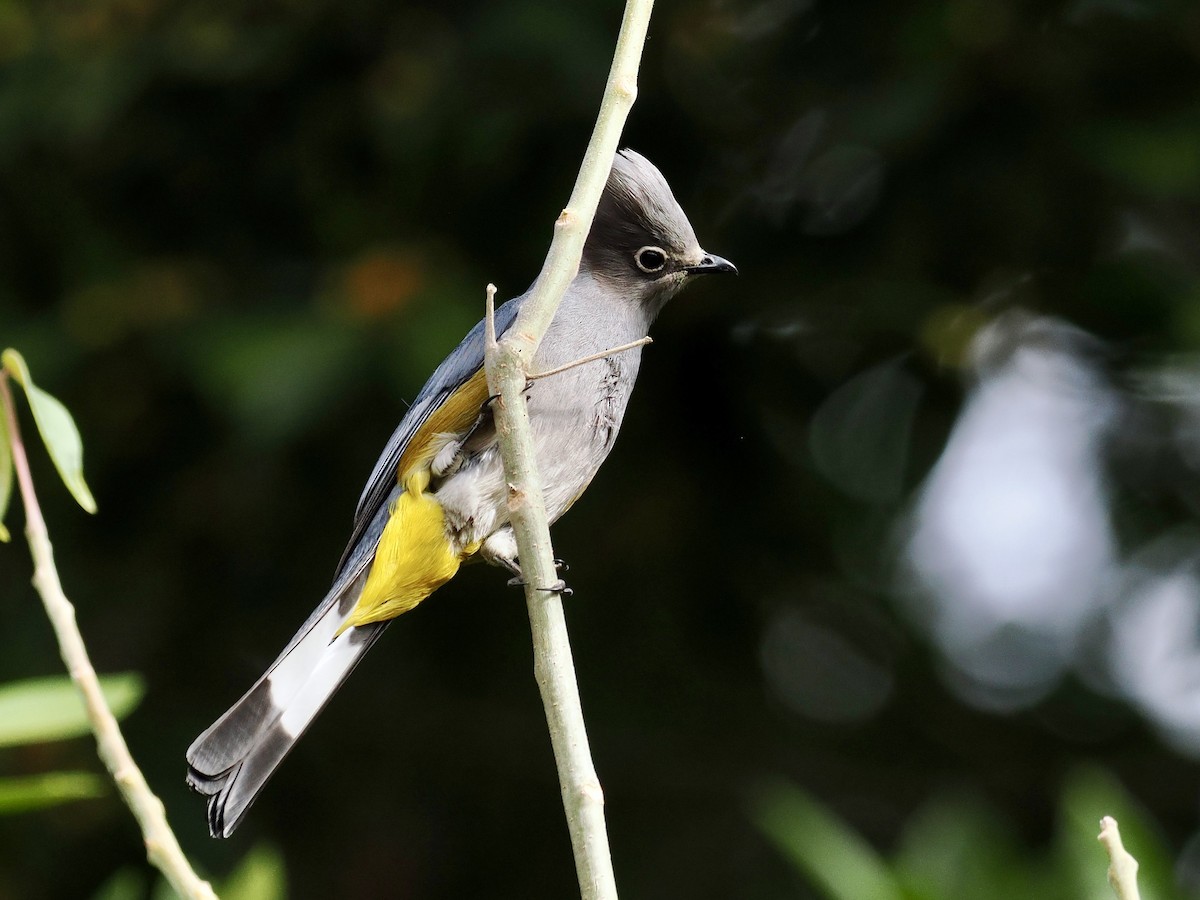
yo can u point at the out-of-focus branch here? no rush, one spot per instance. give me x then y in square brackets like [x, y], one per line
[1122, 867]
[162, 848]
[508, 365]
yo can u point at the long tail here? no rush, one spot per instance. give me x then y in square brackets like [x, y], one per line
[232, 760]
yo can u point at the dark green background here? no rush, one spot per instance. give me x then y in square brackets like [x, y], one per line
[235, 237]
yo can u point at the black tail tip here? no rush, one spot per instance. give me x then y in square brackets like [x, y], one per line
[214, 788]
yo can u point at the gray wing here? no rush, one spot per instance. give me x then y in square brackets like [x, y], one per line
[464, 361]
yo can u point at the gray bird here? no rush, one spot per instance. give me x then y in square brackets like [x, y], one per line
[437, 495]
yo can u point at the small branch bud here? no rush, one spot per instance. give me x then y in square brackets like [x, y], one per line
[1123, 868]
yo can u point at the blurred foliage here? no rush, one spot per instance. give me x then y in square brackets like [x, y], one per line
[18, 795]
[37, 710]
[6, 476]
[236, 238]
[957, 845]
[259, 876]
[50, 709]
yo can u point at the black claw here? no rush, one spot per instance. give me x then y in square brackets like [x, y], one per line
[487, 404]
[559, 587]
[561, 566]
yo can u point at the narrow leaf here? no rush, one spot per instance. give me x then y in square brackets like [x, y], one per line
[57, 429]
[823, 847]
[6, 475]
[49, 709]
[18, 795]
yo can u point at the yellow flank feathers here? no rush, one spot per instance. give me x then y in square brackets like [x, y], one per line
[454, 416]
[414, 557]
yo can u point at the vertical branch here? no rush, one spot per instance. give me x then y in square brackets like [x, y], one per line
[508, 364]
[162, 848]
[573, 223]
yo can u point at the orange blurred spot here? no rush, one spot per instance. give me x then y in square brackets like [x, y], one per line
[381, 281]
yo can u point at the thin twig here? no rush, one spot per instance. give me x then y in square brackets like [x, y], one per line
[1122, 868]
[612, 351]
[574, 222]
[162, 848]
[508, 363]
[489, 328]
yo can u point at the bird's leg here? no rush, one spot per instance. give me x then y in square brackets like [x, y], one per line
[487, 404]
[453, 454]
[451, 457]
[500, 549]
[448, 460]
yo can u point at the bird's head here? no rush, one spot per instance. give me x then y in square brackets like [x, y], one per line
[641, 240]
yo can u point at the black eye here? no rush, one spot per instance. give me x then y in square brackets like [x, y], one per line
[650, 259]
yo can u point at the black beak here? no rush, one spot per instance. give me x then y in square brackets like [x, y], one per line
[712, 265]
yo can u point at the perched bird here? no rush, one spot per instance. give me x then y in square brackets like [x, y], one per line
[437, 495]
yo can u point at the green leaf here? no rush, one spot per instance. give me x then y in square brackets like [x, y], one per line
[125, 884]
[260, 876]
[57, 429]
[49, 709]
[18, 795]
[6, 475]
[823, 847]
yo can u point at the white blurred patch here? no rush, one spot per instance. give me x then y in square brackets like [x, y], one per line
[1011, 544]
[1155, 655]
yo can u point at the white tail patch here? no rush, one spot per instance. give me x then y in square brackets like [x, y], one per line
[297, 667]
[328, 668]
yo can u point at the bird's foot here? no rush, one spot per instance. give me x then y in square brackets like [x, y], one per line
[487, 404]
[559, 587]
